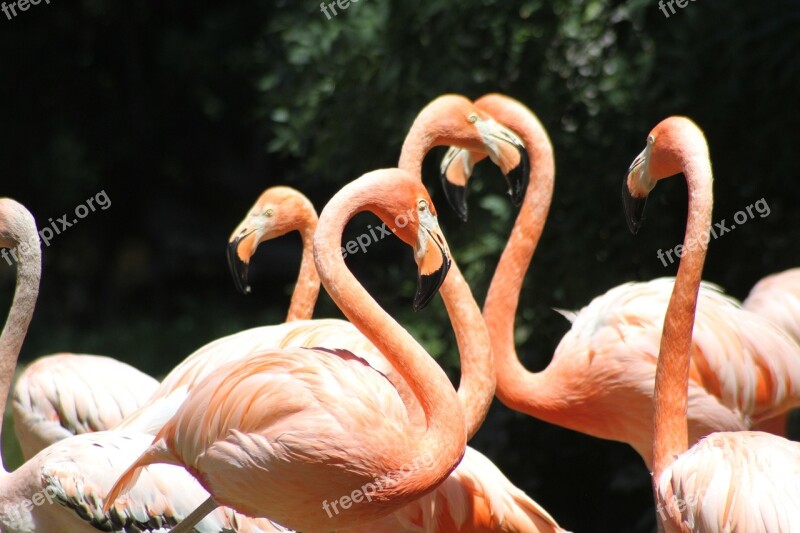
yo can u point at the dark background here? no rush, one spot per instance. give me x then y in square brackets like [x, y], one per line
[182, 112]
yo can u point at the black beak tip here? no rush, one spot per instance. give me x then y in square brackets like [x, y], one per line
[238, 268]
[428, 285]
[634, 209]
[519, 178]
[457, 198]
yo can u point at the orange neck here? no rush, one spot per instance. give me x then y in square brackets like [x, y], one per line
[306, 291]
[518, 388]
[477, 386]
[670, 437]
[445, 435]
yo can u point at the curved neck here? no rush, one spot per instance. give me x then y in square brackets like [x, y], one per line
[438, 125]
[416, 145]
[518, 388]
[477, 386]
[445, 435]
[306, 291]
[29, 266]
[670, 437]
[422, 136]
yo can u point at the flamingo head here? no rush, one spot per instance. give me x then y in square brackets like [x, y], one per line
[409, 213]
[452, 120]
[503, 147]
[277, 211]
[668, 148]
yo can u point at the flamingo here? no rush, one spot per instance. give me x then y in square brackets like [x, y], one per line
[777, 297]
[600, 380]
[476, 496]
[61, 488]
[262, 433]
[728, 481]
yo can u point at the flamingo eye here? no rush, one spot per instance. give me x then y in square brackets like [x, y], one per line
[651, 139]
[422, 205]
[269, 212]
[473, 118]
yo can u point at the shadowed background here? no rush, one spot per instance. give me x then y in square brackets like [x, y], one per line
[183, 112]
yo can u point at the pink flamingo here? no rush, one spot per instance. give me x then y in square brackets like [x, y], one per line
[736, 481]
[280, 422]
[476, 496]
[601, 378]
[59, 488]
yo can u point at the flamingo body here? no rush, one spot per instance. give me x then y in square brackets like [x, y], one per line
[476, 498]
[744, 481]
[269, 461]
[65, 394]
[169, 395]
[742, 366]
[777, 297]
[67, 483]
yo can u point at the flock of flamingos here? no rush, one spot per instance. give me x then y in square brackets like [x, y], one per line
[319, 425]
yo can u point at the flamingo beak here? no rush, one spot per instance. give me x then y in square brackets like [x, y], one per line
[456, 168]
[237, 263]
[430, 280]
[519, 177]
[508, 152]
[634, 201]
[432, 256]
